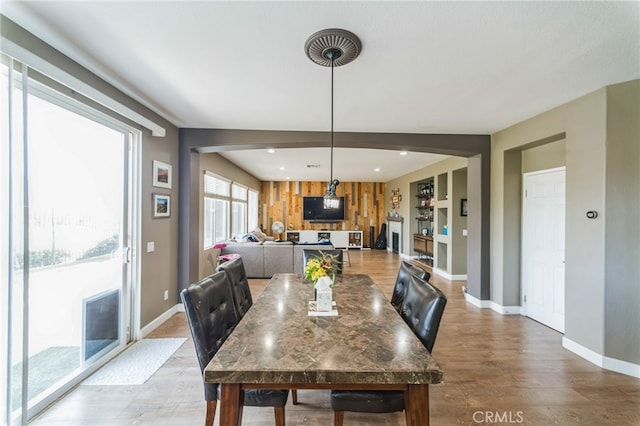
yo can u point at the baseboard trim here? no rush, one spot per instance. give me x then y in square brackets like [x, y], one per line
[619, 366]
[490, 304]
[506, 310]
[443, 274]
[144, 332]
[623, 367]
[450, 277]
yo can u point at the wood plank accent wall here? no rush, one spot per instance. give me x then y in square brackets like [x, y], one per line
[364, 205]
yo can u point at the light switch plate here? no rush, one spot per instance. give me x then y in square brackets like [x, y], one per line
[151, 246]
[464, 232]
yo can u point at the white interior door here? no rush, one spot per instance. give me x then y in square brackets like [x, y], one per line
[543, 247]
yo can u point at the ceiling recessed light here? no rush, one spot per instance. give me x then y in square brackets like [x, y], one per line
[281, 167]
[271, 150]
[377, 169]
[403, 152]
[288, 178]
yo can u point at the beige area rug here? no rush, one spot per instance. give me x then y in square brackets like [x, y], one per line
[135, 365]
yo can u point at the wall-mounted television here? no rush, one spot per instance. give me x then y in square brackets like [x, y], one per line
[313, 210]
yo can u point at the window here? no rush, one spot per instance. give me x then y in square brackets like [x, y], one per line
[215, 185]
[230, 209]
[252, 206]
[238, 209]
[216, 209]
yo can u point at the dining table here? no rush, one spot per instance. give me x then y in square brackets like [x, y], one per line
[366, 346]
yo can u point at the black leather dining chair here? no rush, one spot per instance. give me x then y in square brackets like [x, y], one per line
[311, 253]
[237, 277]
[422, 310]
[212, 316]
[406, 271]
[241, 292]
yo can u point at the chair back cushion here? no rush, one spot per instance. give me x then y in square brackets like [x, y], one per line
[211, 314]
[239, 285]
[311, 253]
[422, 310]
[406, 271]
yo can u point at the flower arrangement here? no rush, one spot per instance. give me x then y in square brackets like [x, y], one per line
[325, 265]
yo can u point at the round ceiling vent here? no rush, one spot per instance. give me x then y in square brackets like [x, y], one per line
[340, 45]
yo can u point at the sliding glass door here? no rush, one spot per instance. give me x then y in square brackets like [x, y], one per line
[69, 274]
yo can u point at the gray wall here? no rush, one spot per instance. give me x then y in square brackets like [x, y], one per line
[159, 270]
[458, 223]
[600, 129]
[622, 223]
[543, 157]
[479, 228]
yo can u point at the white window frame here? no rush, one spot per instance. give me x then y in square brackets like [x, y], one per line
[243, 227]
[253, 211]
[250, 216]
[210, 241]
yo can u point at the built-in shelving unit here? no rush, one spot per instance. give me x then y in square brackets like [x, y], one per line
[424, 207]
[439, 228]
[423, 238]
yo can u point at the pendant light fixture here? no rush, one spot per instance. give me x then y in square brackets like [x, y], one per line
[332, 48]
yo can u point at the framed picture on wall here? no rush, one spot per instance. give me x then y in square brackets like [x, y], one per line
[161, 174]
[463, 207]
[161, 205]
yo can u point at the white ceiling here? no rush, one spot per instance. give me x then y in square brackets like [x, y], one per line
[425, 67]
[349, 164]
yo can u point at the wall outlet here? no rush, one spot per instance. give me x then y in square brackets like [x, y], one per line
[166, 295]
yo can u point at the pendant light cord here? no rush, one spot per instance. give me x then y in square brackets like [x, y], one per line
[325, 47]
[331, 181]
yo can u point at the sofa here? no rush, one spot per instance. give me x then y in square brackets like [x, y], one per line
[263, 259]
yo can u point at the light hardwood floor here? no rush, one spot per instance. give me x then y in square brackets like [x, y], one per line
[498, 370]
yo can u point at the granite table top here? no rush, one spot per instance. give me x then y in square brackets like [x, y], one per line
[367, 343]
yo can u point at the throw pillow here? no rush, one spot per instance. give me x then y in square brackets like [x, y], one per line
[261, 236]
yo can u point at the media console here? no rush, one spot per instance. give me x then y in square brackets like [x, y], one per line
[339, 239]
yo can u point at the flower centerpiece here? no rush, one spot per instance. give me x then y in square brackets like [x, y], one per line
[321, 269]
[322, 265]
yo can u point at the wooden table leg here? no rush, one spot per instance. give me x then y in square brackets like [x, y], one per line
[416, 405]
[231, 403]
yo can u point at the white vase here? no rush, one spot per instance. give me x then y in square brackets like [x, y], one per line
[324, 295]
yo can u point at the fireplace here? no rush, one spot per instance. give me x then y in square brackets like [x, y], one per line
[394, 233]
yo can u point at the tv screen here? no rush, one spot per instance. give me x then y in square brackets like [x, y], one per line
[313, 210]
